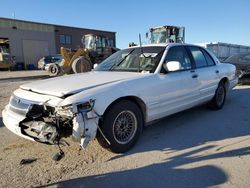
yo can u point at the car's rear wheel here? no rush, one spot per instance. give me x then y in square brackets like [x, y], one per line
[122, 125]
[219, 98]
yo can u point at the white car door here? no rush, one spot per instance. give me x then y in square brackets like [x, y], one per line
[177, 90]
[207, 72]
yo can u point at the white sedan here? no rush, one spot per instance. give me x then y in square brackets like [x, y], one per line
[120, 96]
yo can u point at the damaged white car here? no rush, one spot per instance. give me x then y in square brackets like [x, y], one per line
[122, 94]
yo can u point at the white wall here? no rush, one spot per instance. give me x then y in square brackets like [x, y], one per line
[16, 38]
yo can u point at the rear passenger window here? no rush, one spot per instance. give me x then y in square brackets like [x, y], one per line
[210, 61]
[179, 53]
[198, 56]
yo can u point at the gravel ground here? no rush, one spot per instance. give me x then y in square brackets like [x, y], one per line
[194, 148]
[8, 75]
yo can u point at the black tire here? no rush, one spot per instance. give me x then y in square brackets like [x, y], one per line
[219, 98]
[81, 64]
[54, 69]
[121, 135]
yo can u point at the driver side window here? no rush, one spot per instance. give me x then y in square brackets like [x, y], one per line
[179, 53]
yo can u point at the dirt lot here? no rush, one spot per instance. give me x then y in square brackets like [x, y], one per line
[195, 148]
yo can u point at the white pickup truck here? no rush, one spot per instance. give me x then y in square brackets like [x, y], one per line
[126, 91]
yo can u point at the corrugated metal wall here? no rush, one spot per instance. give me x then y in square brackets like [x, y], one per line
[28, 41]
[22, 25]
[224, 50]
[28, 38]
[38, 49]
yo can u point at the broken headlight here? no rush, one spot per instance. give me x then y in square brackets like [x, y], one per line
[70, 110]
[65, 110]
[86, 106]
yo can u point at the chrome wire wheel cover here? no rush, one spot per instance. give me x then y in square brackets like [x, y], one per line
[124, 127]
[220, 95]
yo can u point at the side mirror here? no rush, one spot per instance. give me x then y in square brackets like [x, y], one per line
[95, 65]
[172, 66]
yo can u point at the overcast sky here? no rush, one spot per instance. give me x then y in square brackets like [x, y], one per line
[205, 21]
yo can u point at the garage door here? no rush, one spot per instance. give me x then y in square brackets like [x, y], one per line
[33, 50]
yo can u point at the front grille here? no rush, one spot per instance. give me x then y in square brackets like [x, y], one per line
[19, 106]
[18, 111]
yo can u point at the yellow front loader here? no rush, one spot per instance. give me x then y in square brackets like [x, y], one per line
[96, 49]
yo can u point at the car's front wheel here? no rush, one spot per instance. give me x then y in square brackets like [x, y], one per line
[122, 125]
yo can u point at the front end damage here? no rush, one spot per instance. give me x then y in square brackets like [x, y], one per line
[46, 124]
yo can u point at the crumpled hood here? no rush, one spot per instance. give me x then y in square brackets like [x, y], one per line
[71, 84]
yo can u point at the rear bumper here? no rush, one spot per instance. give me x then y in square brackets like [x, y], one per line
[12, 123]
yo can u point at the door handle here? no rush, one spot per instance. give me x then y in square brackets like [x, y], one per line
[217, 72]
[195, 76]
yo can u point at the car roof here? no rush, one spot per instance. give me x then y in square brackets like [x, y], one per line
[178, 44]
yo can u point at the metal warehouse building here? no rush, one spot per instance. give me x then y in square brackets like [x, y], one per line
[29, 41]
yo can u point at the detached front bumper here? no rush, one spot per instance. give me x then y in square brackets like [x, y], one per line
[12, 122]
[84, 127]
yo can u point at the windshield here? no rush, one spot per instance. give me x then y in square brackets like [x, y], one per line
[240, 58]
[158, 36]
[132, 60]
[89, 42]
[3, 49]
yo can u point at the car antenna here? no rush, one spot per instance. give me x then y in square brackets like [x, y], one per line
[139, 64]
[141, 47]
